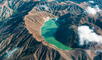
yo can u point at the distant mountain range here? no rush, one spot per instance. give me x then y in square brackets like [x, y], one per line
[20, 30]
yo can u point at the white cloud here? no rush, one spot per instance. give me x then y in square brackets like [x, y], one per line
[88, 35]
[93, 10]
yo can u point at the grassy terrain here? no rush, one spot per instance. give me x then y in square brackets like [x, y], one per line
[48, 30]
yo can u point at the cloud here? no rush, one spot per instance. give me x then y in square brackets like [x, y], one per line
[87, 35]
[93, 10]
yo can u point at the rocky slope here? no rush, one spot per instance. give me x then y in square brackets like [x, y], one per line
[20, 36]
[10, 7]
[67, 17]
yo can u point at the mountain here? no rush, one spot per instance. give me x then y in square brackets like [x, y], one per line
[27, 26]
[10, 7]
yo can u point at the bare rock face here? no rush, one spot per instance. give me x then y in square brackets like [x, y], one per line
[16, 43]
[73, 19]
[10, 7]
[36, 19]
[20, 32]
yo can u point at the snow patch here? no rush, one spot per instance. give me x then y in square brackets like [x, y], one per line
[91, 1]
[97, 8]
[10, 53]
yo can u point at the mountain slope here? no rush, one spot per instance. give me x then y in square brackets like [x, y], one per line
[20, 34]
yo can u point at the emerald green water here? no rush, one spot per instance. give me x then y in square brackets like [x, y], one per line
[48, 30]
